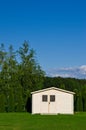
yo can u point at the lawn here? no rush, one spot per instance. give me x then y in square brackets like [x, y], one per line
[25, 121]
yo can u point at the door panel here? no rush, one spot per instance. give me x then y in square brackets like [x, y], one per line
[44, 104]
[52, 104]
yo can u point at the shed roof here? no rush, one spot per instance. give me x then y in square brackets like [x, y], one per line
[52, 88]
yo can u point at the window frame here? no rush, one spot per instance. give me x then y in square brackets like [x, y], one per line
[52, 98]
[44, 98]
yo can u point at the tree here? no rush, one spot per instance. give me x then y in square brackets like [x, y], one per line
[79, 103]
[2, 55]
[31, 74]
[84, 97]
[11, 104]
[62, 86]
[2, 102]
[19, 107]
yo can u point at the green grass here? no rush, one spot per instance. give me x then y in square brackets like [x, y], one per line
[25, 121]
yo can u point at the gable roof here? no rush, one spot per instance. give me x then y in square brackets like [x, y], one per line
[52, 88]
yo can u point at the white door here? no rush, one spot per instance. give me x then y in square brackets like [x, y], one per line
[52, 104]
[48, 104]
[44, 104]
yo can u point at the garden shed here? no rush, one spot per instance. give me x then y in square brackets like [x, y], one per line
[52, 101]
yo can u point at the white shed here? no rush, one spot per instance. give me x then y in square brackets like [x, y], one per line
[52, 101]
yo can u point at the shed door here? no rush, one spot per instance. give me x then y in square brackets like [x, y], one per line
[52, 104]
[44, 104]
[48, 104]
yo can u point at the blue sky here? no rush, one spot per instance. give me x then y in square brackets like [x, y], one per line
[56, 30]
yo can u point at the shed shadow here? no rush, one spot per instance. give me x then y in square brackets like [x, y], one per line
[28, 105]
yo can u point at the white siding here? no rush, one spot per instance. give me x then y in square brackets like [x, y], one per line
[64, 103]
[36, 103]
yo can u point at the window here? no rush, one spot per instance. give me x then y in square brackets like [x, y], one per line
[52, 98]
[44, 98]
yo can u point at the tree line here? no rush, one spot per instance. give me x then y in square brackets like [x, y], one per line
[20, 74]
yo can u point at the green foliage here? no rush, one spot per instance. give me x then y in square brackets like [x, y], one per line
[19, 73]
[19, 100]
[62, 86]
[2, 103]
[30, 72]
[79, 103]
[11, 100]
[84, 97]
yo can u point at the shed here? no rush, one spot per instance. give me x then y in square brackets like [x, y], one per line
[52, 101]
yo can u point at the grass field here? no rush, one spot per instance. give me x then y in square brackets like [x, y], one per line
[25, 121]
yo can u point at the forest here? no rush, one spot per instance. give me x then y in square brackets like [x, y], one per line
[20, 74]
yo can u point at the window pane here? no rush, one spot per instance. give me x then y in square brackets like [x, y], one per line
[44, 98]
[52, 98]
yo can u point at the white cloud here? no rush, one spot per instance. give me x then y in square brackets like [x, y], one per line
[77, 72]
[83, 69]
